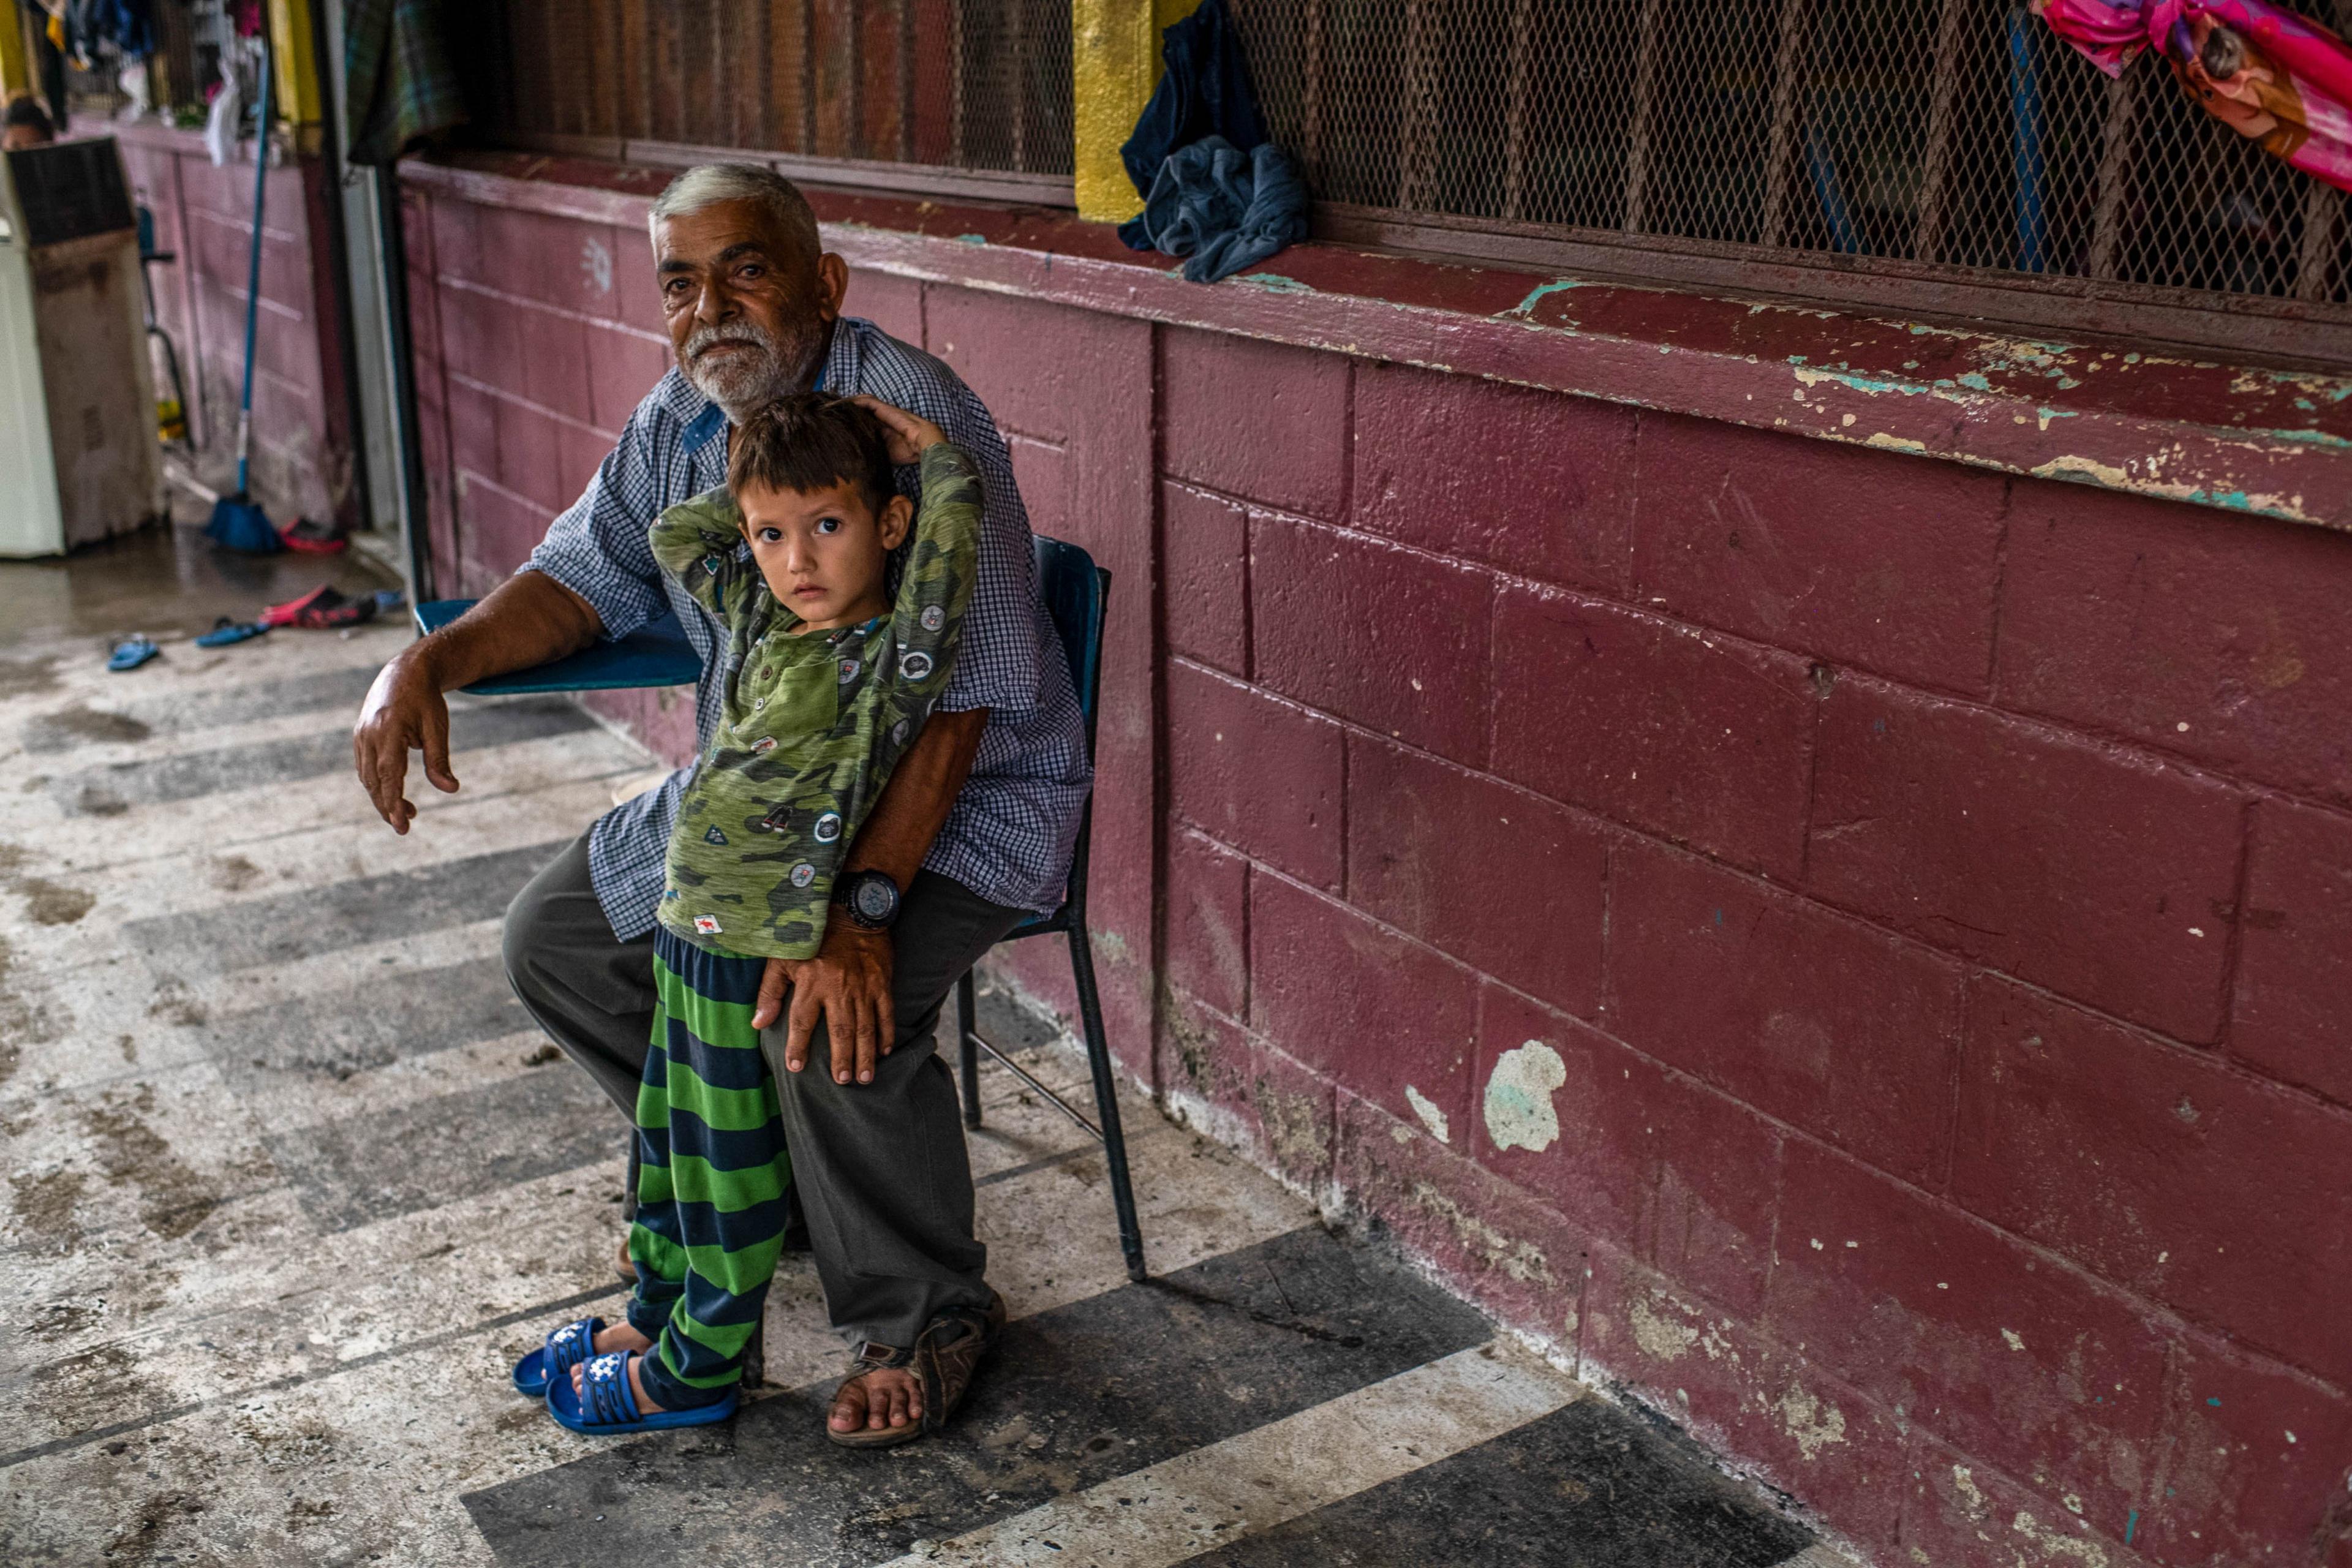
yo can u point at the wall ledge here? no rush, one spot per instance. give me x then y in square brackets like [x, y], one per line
[2275, 443]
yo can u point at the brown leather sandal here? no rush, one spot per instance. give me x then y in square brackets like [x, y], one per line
[943, 1365]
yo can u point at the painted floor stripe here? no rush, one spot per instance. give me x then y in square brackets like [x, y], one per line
[1195, 1503]
[147, 719]
[290, 926]
[114, 789]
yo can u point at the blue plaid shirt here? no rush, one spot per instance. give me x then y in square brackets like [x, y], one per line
[1008, 838]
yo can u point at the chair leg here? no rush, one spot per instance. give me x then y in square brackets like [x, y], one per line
[1122, 1192]
[967, 1051]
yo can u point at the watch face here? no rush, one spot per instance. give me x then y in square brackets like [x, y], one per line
[874, 900]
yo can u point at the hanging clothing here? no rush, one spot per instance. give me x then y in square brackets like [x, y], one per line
[2279, 79]
[128, 25]
[1215, 190]
[1224, 210]
[1205, 92]
[398, 84]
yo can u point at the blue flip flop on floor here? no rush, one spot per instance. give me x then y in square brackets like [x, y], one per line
[226, 631]
[132, 652]
[612, 1405]
[565, 1348]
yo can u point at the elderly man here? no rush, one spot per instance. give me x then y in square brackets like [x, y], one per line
[972, 832]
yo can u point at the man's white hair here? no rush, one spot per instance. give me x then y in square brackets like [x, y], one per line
[707, 184]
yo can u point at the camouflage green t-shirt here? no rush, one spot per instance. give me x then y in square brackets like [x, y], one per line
[811, 725]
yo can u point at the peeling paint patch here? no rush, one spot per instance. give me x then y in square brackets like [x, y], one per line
[1519, 1109]
[1555, 285]
[2090, 470]
[1811, 1424]
[1518, 1260]
[1862, 383]
[1881, 440]
[2010, 1337]
[1662, 1337]
[1274, 283]
[1431, 1116]
[2057, 1543]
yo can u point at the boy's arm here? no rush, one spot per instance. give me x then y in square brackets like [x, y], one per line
[935, 591]
[695, 543]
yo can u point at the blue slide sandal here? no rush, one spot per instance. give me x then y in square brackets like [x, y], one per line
[132, 652]
[612, 1405]
[565, 1348]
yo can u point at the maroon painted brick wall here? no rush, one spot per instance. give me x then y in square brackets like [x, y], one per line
[1850, 948]
[302, 447]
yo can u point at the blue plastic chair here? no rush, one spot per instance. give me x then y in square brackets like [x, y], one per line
[1075, 590]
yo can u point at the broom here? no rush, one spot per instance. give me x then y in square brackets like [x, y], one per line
[239, 523]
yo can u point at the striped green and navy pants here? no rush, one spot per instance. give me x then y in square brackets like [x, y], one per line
[711, 1187]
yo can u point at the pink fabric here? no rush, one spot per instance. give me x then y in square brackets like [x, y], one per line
[2274, 77]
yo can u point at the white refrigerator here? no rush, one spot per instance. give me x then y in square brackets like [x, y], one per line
[80, 460]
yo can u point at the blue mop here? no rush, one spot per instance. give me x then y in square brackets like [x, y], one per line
[239, 523]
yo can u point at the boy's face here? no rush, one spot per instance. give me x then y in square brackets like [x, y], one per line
[824, 553]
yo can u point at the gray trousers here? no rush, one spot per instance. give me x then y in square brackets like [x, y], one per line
[880, 1168]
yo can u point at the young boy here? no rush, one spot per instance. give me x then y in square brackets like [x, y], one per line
[829, 678]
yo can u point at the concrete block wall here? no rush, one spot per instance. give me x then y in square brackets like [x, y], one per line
[1850, 948]
[302, 447]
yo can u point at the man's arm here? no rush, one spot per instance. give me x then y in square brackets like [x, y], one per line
[847, 983]
[528, 620]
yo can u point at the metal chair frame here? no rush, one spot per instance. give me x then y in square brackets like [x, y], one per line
[1061, 568]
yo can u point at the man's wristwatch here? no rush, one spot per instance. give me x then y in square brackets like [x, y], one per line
[870, 898]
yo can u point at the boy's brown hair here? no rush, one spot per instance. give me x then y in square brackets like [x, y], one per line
[812, 441]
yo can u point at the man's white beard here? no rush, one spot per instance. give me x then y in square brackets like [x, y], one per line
[742, 382]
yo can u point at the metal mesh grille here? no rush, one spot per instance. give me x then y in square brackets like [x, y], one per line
[1892, 135]
[954, 84]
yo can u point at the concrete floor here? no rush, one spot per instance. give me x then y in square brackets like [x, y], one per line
[291, 1182]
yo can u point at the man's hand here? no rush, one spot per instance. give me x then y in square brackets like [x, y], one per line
[404, 713]
[526, 620]
[848, 984]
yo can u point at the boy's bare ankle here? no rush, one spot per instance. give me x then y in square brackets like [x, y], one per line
[621, 1336]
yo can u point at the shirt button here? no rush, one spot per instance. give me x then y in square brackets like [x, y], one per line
[767, 675]
[759, 704]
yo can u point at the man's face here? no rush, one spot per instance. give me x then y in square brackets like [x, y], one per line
[22, 136]
[824, 553]
[748, 314]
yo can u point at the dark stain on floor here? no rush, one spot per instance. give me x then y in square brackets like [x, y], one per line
[175, 1198]
[28, 1017]
[45, 1204]
[79, 723]
[28, 676]
[187, 713]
